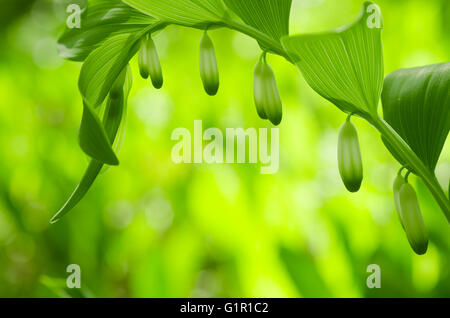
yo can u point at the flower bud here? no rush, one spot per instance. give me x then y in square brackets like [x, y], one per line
[349, 157]
[208, 66]
[266, 95]
[414, 225]
[149, 63]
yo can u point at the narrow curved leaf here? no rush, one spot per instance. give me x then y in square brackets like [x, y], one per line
[344, 66]
[195, 13]
[114, 108]
[416, 103]
[100, 20]
[270, 16]
[88, 179]
[112, 121]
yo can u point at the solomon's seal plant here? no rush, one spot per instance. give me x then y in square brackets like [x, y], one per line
[408, 209]
[209, 72]
[345, 66]
[349, 157]
[149, 63]
[265, 89]
[398, 183]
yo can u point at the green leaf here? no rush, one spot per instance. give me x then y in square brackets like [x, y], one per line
[193, 13]
[344, 66]
[88, 179]
[104, 65]
[93, 139]
[416, 103]
[100, 20]
[112, 121]
[98, 74]
[269, 16]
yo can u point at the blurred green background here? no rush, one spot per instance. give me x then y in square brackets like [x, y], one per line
[151, 228]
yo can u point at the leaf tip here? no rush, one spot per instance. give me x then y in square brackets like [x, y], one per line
[55, 219]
